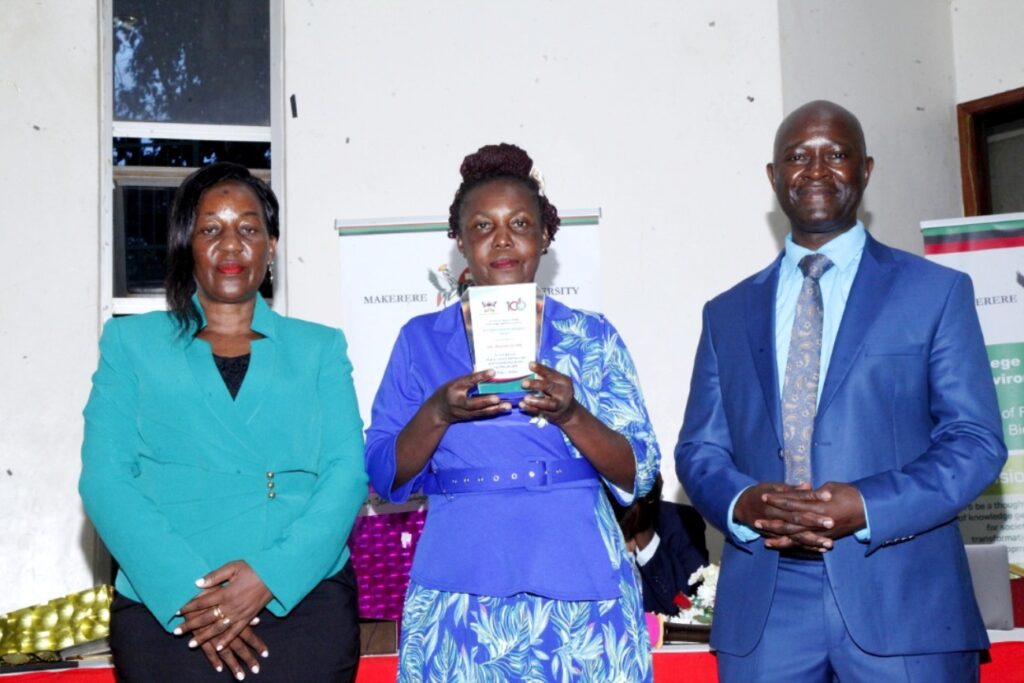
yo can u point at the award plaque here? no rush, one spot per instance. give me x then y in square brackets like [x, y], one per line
[503, 328]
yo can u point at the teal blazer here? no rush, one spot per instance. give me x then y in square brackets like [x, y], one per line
[178, 478]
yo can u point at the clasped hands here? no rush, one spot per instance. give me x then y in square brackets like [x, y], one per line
[799, 517]
[221, 618]
[551, 397]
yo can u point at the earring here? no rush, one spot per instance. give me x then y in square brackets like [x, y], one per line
[270, 273]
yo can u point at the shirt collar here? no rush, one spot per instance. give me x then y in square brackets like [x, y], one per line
[262, 316]
[844, 251]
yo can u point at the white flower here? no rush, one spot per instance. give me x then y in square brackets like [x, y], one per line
[703, 602]
[539, 420]
[708, 574]
[706, 594]
[536, 175]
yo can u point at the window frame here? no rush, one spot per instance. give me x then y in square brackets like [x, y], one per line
[111, 305]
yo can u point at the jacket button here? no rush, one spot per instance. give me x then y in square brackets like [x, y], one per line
[270, 484]
[271, 495]
[270, 475]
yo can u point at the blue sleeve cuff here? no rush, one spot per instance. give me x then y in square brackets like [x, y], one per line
[740, 531]
[746, 534]
[864, 535]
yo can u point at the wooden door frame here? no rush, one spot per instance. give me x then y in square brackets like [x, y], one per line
[973, 118]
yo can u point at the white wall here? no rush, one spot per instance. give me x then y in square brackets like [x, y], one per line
[986, 42]
[49, 234]
[891, 64]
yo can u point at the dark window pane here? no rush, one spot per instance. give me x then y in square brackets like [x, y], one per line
[192, 61]
[146, 176]
[143, 213]
[189, 153]
[1006, 166]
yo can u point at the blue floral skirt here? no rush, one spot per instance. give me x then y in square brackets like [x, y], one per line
[462, 638]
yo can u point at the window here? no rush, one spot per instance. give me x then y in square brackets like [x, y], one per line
[179, 96]
[1006, 165]
[992, 153]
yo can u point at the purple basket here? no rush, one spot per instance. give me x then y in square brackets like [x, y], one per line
[382, 561]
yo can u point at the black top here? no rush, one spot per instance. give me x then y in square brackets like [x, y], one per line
[232, 371]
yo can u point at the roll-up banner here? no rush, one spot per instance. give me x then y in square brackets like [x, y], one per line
[991, 250]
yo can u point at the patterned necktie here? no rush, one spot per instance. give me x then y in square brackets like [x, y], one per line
[803, 365]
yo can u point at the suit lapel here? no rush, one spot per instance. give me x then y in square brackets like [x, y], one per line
[262, 363]
[215, 395]
[257, 378]
[235, 414]
[761, 338]
[875, 277]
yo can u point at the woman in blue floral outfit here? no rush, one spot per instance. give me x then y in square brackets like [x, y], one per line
[521, 573]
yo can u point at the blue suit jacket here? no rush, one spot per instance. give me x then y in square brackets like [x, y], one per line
[907, 414]
[176, 475]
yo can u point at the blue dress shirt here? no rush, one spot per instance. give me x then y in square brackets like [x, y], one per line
[845, 252]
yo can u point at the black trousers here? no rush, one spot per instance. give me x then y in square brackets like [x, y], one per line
[318, 642]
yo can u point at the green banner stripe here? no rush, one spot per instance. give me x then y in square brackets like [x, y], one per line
[974, 236]
[999, 226]
[387, 229]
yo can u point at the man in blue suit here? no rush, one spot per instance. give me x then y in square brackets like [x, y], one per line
[841, 414]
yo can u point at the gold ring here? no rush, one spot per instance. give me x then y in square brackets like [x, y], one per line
[217, 613]
[226, 621]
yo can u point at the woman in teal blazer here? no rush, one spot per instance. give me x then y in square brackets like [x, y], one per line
[223, 461]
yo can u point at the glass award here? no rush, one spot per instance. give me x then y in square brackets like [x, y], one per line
[503, 325]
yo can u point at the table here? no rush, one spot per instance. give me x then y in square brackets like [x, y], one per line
[672, 664]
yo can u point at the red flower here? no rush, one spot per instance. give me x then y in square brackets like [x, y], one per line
[682, 602]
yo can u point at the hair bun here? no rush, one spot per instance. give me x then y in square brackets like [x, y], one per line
[495, 160]
[502, 161]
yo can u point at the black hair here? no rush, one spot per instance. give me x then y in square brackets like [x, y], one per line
[491, 162]
[179, 280]
[642, 514]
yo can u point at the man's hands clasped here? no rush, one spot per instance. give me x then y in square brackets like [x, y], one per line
[799, 517]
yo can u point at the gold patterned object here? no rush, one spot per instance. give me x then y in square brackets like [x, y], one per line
[59, 624]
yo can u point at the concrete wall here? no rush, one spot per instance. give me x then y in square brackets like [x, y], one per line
[891, 63]
[986, 39]
[49, 320]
